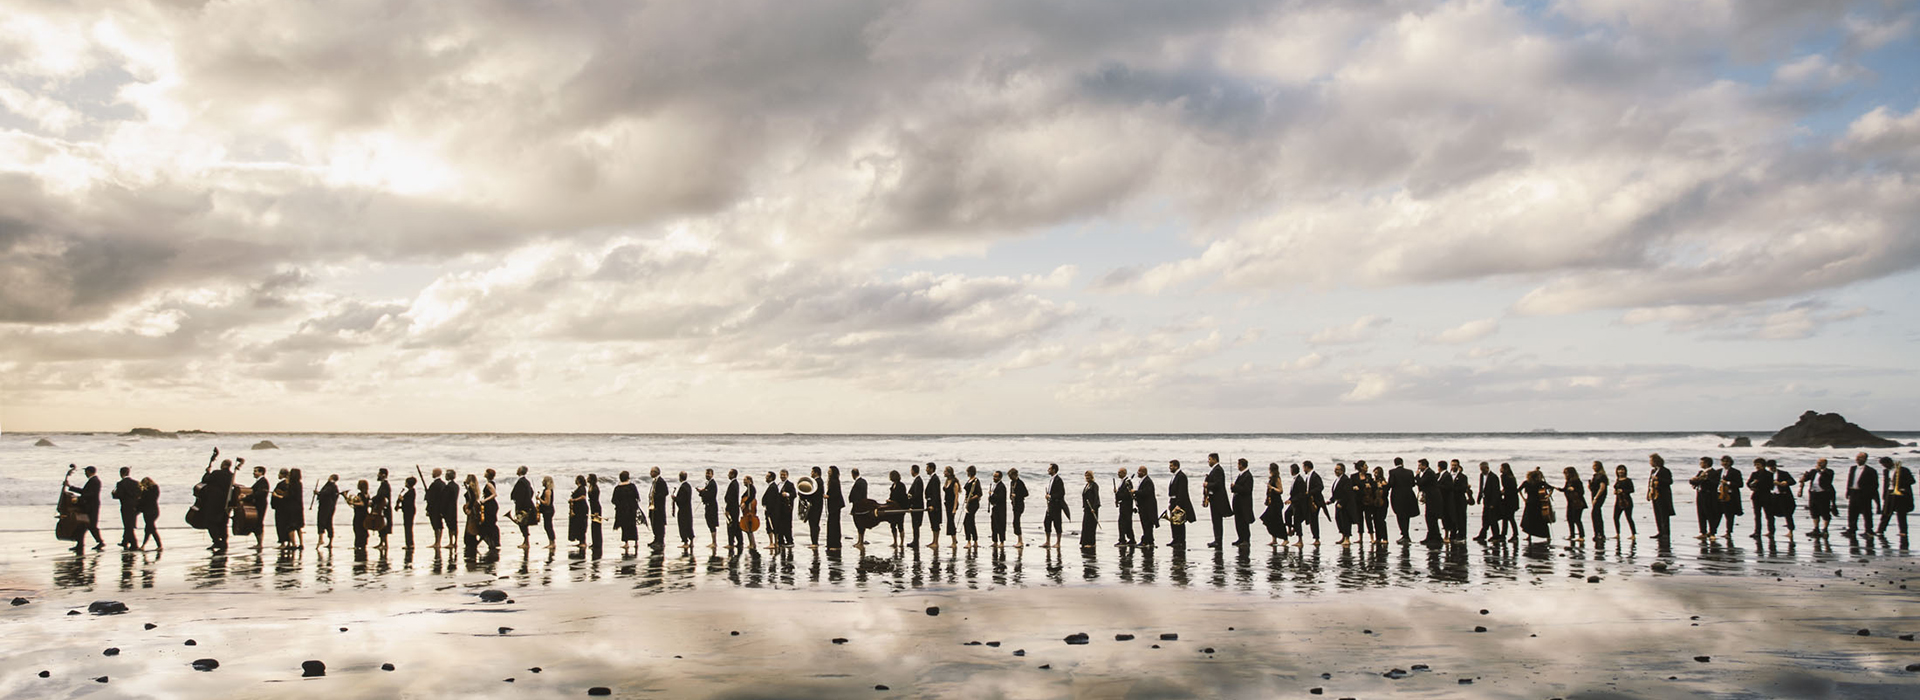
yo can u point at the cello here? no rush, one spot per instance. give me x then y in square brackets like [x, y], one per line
[749, 515]
[73, 522]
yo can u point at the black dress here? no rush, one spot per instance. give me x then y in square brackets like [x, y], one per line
[1536, 517]
[323, 505]
[626, 510]
[577, 515]
[1089, 508]
[1275, 516]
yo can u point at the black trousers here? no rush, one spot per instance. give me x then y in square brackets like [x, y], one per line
[1307, 518]
[1219, 523]
[129, 520]
[1434, 511]
[813, 528]
[1241, 528]
[1600, 524]
[1126, 527]
[734, 536]
[1052, 523]
[833, 528]
[1406, 522]
[1017, 510]
[973, 532]
[1858, 508]
[999, 518]
[658, 520]
[916, 526]
[1147, 526]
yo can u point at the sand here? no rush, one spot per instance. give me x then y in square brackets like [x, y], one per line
[1778, 621]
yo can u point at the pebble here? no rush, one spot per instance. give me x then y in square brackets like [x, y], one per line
[1366, 631]
[73, 612]
[1395, 674]
[1420, 667]
[101, 679]
[107, 607]
[1479, 629]
[536, 669]
[1316, 691]
[1207, 650]
[21, 601]
[734, 633]
[1044, 667]
[993, 644]
[1156, 646]
[151, 625]
[933, 611]
[386, 667]
[111, 651]
[46, 674]
[1659, 566]
[599, 690]
[839, 640]
[1906, 637]
[343, 629]
[192, 643]
[1169, 636]
[205, 664]
[510, 680]
[1864, 633]
[1910, 668]
[974, 643]
[1484, 612]
[1123, 637]
[1593, 579]
[881, 687]
[1466, 681]
[1019, 652]
[505, 630]
[1703, 659]
[1078, 638]
[312, 669]
[493, 595]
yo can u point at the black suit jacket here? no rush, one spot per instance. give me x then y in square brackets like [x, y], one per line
[1057, 493]
[1400, 491]
[917, 494]
[1177, 494]
[733, 500]
[1144, 497]
[1215, 486]
[1866, 483]
[1123, 497]
[127, 492]
[1243, 497]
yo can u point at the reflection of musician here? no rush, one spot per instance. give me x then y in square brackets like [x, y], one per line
[89, 503]
[1147, 505]
[127, 492]
[997, 511]
[857, 495]
[973, 494]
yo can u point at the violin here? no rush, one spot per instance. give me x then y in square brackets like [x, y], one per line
[73, 522]
[749, 517]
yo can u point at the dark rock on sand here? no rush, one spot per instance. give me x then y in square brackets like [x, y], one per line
[1395, 674]
[1044, 667]
[386, 667]
[1078, 638]
[1466, 681]
[1660, 566]
[1479, 629]
[933, 611]
[1816, 429]
[505, 630]
[1123, 637]
[149, 626]
[43, 442]
[734, 633]
[536, 669]
[1207, 650]
[1703, 659]
[343, 629]
[1169, 636]
[205, 664]
[265, 445]
[101, 679]
[46, 674]
[1316, 691]
[192, 643]
[21, 601]
[1906, 637]
[493, 595]
[839, 640]
[1019, 652]
[993, 644]
[881, 687]
[1911, 668]
[312, 669]
[599, 690]
[73, 612]
[1420, 667]
[107, 607]
[1864, 633]
[1486, 612]
[111, 651]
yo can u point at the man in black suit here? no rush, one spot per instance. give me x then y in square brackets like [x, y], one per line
[1896, 503]
[917, 500]
[1491, 506]
[127, 492]
[1863, 494]
[1346, 503]
[1760, 482]
[1432, 494]
[1706, 499]
[972, 493]
[1177, 498]
[431, 499]
[89, 503]
[1818, 482]
[1213, 495]
[1305, 499]
[1147, 507]
[1055, 522]
[1123, 497]
[789, 496]
[1730, 483]
[1660, 493]
[215, 488]
[1017, 495]
[657, 494]
[1401, 494]
[835, 501]
[449, 511]
[734, 536]
[1242, 504]
[1462, 497]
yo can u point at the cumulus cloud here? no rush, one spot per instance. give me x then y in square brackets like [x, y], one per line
[1361, 330]
[1466, 332]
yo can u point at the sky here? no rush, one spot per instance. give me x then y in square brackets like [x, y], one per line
[988, 216]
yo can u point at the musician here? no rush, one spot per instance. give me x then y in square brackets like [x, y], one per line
[734, 539]
[523, 508]
[1305, 501]
[788, 496]
[150, 512]
[1462, 497]
[1401, 485]
[1760, 484]
[748, 497]
[626, 513]
[1660, 492]
[896, 498]
[1539, 507]
[1147, 506]
[1123, 499]
[683, 512]
[1706, 498]
[490, 513]
[1089, 513]
[257, 498]
[1576, 494]
[1509, 503]
[1213, 495]
[1491, 506]
[407, 508]
[810, 510]
[710, 504]
[857, 495]
[1897, 502]
[1345, 503]
[997, 510]
[1275, 515]
[432, 500]
[1054, 526]
[1242, 504]
[916, 500]
[934, 493]
[87, 495]
[1863, 494]
[127, 492]
[450, 510]
[383, 504]
[657, 508]
[952, 499]
[1177, 498]
[835, 502]
[1783, 503]
[596, 531]
[973, 493]
[211, 498]
[546, 509]
[1818, 483]
[1598, 488]
[577, 513]
[1430, 493]
[1017, 495]
[1378, 507]
[324, 500]
[470, 505]
[360, 500]
[1730, 483]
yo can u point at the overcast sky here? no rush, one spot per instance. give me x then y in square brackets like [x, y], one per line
[962, 216]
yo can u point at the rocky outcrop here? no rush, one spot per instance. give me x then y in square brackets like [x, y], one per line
[265, 445]
[150, 433]
[43, 442]
[1816, 429]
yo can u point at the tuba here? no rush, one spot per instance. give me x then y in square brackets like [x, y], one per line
[805, 487]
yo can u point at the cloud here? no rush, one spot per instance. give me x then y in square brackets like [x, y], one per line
[1361, 330]
[1795, 321]
[1466, 332]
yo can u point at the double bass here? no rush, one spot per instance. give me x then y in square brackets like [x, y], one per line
[749, 515]
[73, 522]
[246, 514]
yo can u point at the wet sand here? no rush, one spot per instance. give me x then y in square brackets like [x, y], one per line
[1777, 621]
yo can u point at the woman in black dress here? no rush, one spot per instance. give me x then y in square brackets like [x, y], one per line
[150, 512]
[545, 503]
[471, 509]
[1539, 508]
[1275, 515]
[626, 512]
[490, 514]
[1597, 489]
[1623, 501]
[595, 533]
[1576, 505]
[1377, 505]
[324, 501]
[1089, 512]
[577, 513]
[360, 500]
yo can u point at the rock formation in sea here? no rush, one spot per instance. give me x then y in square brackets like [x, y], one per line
[1816, 429]
[43, 442]
[265, 445]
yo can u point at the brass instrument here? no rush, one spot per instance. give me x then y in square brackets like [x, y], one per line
[1176, 515]
[1898, 470]
[804, 486]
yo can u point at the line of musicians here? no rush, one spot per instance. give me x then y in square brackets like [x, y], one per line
[1289, 507]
